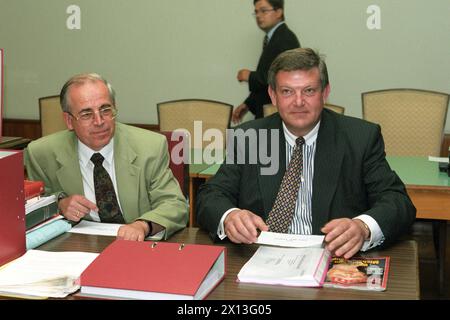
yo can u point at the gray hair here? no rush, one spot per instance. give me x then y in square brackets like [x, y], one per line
[81, 79]
[298, 59]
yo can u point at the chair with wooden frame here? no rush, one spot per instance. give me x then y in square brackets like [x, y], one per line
[181, 115]
[412, 121]
[51, 115]
[179, 168]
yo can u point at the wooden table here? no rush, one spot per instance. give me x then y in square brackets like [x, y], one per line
[429, 190]
[403, 282]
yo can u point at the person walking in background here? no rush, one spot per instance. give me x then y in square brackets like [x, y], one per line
[269, 16]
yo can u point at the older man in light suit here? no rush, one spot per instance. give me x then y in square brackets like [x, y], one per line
[144, 194]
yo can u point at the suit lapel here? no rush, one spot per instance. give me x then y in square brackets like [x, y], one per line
[69, 174]
[127, 174]
[269, 184]
[327, 164]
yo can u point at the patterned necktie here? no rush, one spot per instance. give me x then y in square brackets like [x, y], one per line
[266, 41]
[109, 210]
[280, 216]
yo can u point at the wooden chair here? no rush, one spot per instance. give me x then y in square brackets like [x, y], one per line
[181, 114]
[51, 115]
[269, 109]
[179, 170]
[335, 108]
[412, 121]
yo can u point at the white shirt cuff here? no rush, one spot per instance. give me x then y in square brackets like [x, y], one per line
[376, 235]
[221, 229]
[157, 236]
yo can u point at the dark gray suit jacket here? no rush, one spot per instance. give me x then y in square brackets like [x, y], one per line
[351, 177]
[282, 39]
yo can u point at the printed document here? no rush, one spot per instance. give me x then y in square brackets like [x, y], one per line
[286, 266]
[91, 227]
[44, 274]
[438, 159]
[290, 240]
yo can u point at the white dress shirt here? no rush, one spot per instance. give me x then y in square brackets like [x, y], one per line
[302, 220]
[87, 171]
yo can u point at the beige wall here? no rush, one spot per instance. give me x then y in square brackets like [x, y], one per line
[157, 50]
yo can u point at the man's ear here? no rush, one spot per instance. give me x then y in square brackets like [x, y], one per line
[326, 92]
[273, 96]
[279, 13]
[68, 120]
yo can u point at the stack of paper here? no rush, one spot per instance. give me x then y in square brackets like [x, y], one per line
[287, 259]
[41, 274]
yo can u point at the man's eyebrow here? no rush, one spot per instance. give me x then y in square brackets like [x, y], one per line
[86, 109]
[105, 105]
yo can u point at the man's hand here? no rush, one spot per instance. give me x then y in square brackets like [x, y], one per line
[239, 113]
[241, 226]
[136, 231]
[75, 207]
[243, 75]
[344, 237]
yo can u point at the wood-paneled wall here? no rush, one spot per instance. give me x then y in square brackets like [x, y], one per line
[445, 146]
[31, 129]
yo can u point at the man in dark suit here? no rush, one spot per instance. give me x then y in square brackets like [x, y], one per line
[347, 190]
[269, 16]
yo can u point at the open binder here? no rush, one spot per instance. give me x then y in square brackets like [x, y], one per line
[154, 270]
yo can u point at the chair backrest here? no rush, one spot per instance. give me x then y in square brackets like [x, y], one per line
[269, 109]
[412, 121]
[335, 108]
[51, 115]
[181, 114]
[179, 169]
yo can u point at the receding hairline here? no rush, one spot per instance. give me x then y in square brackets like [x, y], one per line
[79, 80]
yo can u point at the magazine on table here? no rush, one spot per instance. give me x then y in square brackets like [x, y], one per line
[361, 273]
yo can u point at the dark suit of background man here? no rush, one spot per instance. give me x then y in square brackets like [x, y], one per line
[347, 192]
[269, 16]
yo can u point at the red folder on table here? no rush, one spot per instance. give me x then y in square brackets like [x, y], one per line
[12, 206]
[154, 270]
[33, 188]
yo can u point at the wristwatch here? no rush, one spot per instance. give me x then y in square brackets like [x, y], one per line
[61, 195]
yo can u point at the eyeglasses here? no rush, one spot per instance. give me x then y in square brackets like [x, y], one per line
[106, 112]
[263, 11]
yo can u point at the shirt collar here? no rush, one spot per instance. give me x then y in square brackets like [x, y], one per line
[310, 138]
[85, 153]
[272, 31]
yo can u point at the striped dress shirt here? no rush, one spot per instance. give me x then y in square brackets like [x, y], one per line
[302, 219]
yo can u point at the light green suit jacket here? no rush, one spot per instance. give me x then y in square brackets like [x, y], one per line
[146, 186]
